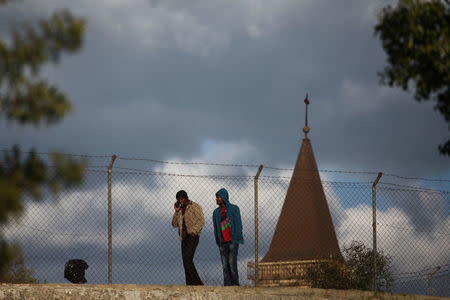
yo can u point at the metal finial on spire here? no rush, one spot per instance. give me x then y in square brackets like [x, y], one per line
[306, 128]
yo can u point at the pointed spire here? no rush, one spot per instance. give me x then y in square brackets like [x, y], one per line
[304, 229]
[306, 128]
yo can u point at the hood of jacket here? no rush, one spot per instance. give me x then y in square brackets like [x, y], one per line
[223, 193]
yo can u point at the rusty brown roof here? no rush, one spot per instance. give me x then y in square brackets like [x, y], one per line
[304, 230]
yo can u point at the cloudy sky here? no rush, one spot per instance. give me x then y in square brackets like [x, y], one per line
[225, 81]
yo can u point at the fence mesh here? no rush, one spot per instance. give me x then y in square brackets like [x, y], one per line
[413, 226]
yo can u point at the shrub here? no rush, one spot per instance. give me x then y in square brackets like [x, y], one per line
[14, 270]
[355, 273]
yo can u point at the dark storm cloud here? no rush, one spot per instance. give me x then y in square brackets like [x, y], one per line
[162, 89]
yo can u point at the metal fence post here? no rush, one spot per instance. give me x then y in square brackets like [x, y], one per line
[256, 224]
[113, 158]
[374, 227]
[430, 276]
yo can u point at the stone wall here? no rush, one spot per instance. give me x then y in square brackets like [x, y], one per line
[138, 292]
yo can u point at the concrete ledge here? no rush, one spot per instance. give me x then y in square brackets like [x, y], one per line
[138, 292]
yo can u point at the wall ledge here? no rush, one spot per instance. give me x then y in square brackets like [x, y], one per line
[138, 292]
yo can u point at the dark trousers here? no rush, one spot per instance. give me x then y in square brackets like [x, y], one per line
[188, 246]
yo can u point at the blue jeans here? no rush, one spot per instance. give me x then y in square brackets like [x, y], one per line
[228, 254]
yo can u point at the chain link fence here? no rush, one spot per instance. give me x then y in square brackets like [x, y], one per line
[413, 224]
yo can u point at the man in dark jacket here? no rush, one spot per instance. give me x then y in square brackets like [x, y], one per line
[228, 233]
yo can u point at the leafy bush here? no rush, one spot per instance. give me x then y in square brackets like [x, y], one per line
[328, 275]
[14, 270]
[355, 273]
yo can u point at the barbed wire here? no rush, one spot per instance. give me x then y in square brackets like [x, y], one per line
[139, 171]
[54, 233]
[242, 165]
[188, 163]
[63, 153]
[420, 275]
[87, 167]
[410, 280]
[417, 178]
[420, 189]
[420, 271]
[424, 277]
[96, 170]
[98, 166]
[409, 277]
[127, 258]
[250, 176]
[409, 229]
[53, 257]
[214, 176]
[442, 275]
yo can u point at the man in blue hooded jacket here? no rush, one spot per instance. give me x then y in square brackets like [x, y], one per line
[228, 233]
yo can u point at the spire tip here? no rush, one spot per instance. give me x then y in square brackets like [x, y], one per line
[306, 128]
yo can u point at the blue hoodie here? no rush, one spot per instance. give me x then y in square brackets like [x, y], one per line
[234, 216]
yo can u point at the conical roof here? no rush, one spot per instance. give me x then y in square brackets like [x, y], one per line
[304, 230]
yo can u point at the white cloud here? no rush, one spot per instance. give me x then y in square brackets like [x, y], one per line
[216, 151]
[396, 237]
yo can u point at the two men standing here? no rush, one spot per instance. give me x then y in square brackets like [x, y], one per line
[188, 217]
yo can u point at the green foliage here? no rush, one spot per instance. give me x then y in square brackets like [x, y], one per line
[355, 273]
[29, 100]
[359, 260]
[328, 275]
[15, 270]
[30, 175]
[415, 35]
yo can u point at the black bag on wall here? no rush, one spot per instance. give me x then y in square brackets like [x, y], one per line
[74, 270]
